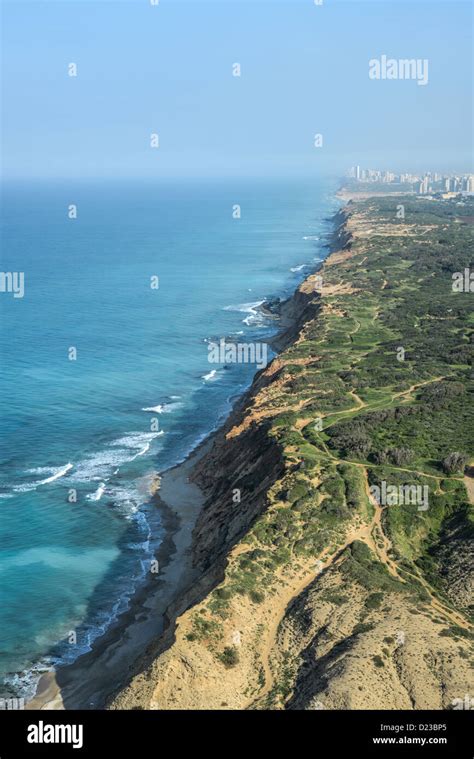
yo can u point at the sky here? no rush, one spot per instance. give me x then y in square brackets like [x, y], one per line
[168, 69]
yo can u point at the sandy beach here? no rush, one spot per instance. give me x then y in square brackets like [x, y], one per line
[88, 682]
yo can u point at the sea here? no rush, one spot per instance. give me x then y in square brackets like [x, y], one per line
[105, 376]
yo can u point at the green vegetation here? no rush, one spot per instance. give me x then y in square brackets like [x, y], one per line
[230, 656]
[378, 389]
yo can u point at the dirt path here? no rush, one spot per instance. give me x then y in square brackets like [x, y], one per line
[412, 388]
[364, 533]
[358, 400]
[453, 616]
[294, 589]
[376, 405]
[372, 534]
[381, 543]
[468, 480]
[378, 541]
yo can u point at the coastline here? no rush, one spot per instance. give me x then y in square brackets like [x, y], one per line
[114, 653]
[94, 677]
[261, 598]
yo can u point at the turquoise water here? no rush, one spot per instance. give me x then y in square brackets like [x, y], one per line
[80, 426]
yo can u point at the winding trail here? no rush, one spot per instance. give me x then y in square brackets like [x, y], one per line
[364, 533]
[373, 535]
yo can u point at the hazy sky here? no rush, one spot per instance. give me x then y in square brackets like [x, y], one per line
[168, 69]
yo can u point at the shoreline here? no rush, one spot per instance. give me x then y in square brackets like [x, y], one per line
[115, 654]
[71, 686]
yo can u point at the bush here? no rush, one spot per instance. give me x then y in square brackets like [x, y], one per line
[256, 596]
[350, 438]
[298, 491]
[229, 657]
[400, 456]
[362, 627]
[454, 462]
[374, 600]
[223, 594]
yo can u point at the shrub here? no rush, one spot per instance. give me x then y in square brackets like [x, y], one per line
[223, 594]
[362, 627]
[299, 490]
[400, 456]
[374, 600]
[454, 462]
[230, 656]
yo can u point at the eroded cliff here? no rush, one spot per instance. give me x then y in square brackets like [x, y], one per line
[313, 592]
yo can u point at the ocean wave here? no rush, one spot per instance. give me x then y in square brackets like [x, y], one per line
[55, 474]
[25, 683]
[98, 493]
[211, 376]
[298, 268]
[311, 237]
[255, 316]
[129, 502]
[163, 408]
[100, 466]
[138, 441]
[104, 464]
[245, 308]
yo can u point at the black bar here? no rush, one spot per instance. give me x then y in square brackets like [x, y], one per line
[139, 734]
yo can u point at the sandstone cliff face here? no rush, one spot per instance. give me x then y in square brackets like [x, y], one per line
[244, 461]
[235, 475]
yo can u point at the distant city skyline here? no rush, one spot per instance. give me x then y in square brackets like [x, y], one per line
[425, 182]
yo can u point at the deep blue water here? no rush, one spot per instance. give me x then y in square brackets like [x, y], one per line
[81, 425]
